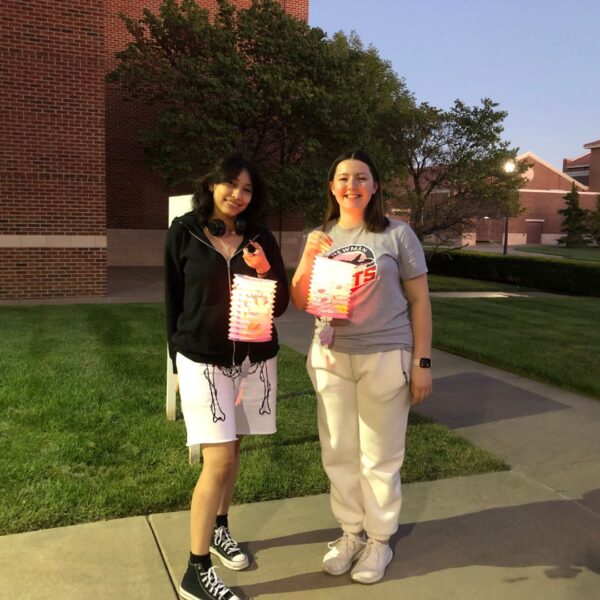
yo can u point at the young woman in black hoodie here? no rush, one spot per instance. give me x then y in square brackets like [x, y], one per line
[227, 388]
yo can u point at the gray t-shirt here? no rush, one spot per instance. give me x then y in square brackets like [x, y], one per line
[379, 319]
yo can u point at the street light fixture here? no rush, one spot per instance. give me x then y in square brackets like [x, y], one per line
[509, 167]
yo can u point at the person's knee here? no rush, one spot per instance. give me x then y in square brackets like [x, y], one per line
[219, 466]
[219, 471]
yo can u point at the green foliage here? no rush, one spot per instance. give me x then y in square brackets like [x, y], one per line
[574, 224]
[454, 168]
[259, 81]
[594, 222]
[368, 94]
[547, 274]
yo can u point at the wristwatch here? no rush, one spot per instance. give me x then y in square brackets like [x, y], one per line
[424, 363]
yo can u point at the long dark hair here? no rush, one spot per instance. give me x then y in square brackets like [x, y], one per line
[375, 218]
[226, 170]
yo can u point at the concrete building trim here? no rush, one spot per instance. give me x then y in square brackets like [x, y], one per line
[550, 239]
[135, 247]
[145, 247]
[518, 239]
[52, 241]
[523, 191]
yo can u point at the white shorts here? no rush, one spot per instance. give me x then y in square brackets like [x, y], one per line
[208, 400]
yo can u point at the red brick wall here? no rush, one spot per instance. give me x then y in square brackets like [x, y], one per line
[594, 180]
[69, 157]
[540, 205]
[545, 178]
[291, 221]
[136, 197]
[52, 166]
[52, 272]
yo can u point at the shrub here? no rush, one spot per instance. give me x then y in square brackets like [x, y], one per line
[547, 274]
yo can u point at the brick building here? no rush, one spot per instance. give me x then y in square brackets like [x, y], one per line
[585, 168]
[543, 195]
[74, 193]
[52, 163]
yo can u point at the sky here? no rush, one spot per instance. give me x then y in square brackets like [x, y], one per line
[539, 59]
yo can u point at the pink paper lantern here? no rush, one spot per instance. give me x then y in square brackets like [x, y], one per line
[330, 286]
[251, 314]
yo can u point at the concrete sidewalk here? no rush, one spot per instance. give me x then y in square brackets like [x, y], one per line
[532, 532]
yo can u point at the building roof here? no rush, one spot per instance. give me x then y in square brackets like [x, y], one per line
[580, 161]
[541, 161]
[591, 145]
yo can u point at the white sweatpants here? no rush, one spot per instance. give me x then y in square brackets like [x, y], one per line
[363, 404]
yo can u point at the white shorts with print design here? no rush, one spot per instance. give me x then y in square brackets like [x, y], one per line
[208, 400]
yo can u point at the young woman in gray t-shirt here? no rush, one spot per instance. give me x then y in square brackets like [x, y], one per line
[369, 368]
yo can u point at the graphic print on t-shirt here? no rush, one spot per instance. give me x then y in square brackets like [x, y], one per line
[363, 259]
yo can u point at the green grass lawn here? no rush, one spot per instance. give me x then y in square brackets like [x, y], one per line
[551, 339]
[591, 253]
[441, 283]
[83, 433]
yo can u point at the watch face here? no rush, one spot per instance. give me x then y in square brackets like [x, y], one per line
[425, 363]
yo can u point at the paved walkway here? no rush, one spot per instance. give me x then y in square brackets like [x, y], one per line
[532, 532]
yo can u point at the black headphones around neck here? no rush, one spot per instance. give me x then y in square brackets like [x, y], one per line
[218, 228]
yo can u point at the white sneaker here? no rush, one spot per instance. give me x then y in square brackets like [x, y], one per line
[342, 553]
[372, 561]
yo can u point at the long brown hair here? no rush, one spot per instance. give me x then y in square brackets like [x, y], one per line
[226, 170]
[375, 219]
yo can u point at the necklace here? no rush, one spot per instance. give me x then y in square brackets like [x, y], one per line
[225, 245]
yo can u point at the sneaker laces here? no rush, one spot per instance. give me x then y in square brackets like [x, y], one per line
[223, 538]
[345, 539]
[213, 584]
[370, 546]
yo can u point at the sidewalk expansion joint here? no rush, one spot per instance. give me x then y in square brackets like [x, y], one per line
[162, 557]
[558, 493]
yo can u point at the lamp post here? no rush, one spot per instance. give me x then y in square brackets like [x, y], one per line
[509, 167]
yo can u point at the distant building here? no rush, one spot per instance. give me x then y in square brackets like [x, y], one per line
[578, 168]
[542, 197]
[586, 168]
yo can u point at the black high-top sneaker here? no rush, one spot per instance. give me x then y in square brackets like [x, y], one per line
[227, 549]
[200, 584]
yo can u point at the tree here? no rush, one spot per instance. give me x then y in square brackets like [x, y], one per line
[258, 81]
[250, 80]
[452, 168]
[188, 68]
[366, 91]
[574, 222]
[594, 222]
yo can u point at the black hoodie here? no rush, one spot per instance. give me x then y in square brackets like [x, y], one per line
[198, 281]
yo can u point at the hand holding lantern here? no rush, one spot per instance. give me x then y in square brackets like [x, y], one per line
[254, 256]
